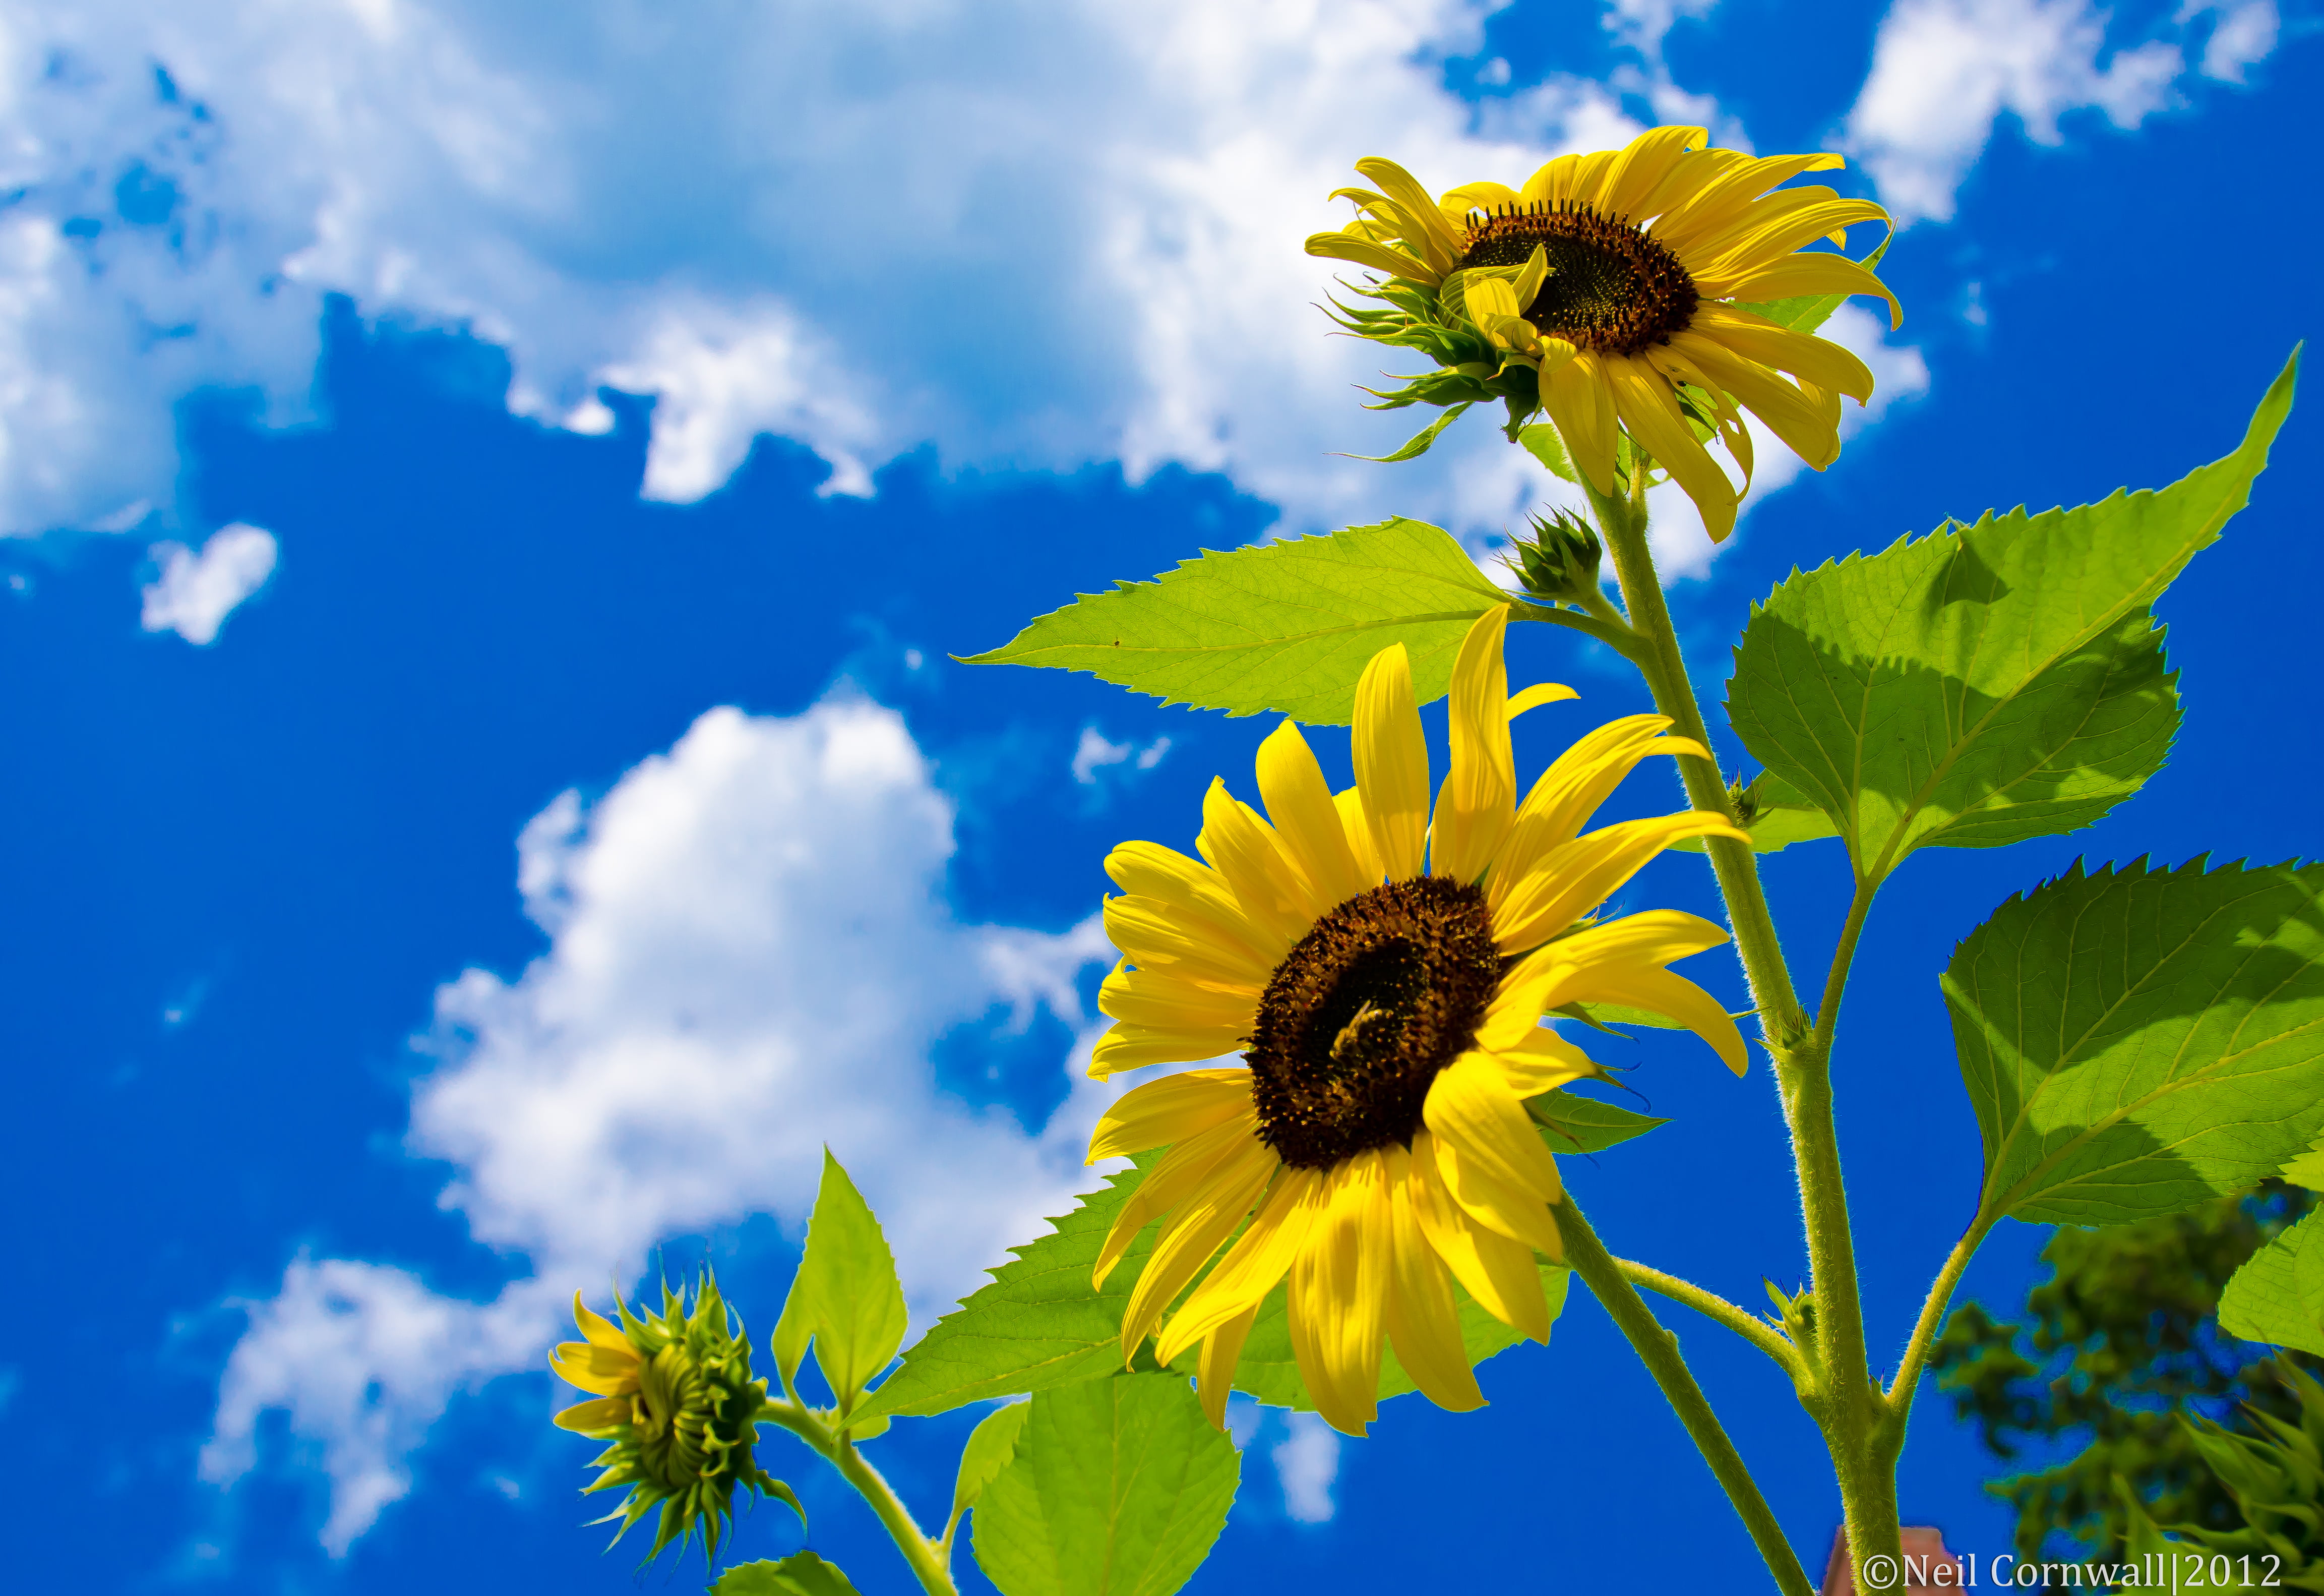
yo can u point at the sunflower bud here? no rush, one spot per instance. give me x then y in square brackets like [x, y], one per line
[673, 1394]
[1558, 564]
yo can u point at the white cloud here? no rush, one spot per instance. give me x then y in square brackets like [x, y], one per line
[2242, 35]
[1307, 1463]
[198, 591]
[1094, 753]
[1944, 71]
[750, 957]
[1038, 234]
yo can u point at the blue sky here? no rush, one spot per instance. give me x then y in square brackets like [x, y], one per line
[493, 493]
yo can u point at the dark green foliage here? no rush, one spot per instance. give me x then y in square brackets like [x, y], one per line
[2115, 1346]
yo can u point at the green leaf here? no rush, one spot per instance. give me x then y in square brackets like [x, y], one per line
[1577, 1124]
[1542, 441]
[990, 1446]
[845, 1297]
[1037, 1324]
[1269, 1371]
[802, 1574]
[2278, 1296]
[1119, 1488]
[1803, 313]
[1417, 444]
[2138, 1040]
[1286, 626]
[1987, 683]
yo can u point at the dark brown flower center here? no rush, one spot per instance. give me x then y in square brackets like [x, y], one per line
[1386, 990]
[1612, 289]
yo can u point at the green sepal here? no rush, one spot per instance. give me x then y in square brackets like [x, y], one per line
[1118, 1486]
[1287, 626]
[1987, 683]
[1417, 444]
[802, 1574]
[2139, 1040]
[1572, 1123]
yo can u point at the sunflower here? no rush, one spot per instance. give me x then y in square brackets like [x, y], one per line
[672, 1392]
[1385, 981]
[1611, 289]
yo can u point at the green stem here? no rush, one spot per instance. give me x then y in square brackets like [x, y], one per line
[1607, 629]
[1891, 1437]
[1713, 1306]
[1847, 1406]
[930, 1559]
[1658, 1349]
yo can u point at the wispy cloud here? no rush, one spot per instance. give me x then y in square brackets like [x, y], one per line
[196, 591]
[1945, 71]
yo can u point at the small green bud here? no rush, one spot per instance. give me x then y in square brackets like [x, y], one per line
[675, 1397]
[1558, 563]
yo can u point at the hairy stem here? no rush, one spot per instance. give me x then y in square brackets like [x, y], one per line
[1891, 1436]
[930, 1559]
[1658, 1349]
[1713, 1306]
[1847, 1406]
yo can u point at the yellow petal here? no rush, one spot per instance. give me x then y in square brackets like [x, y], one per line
[1306, 822]
[1544, 1061]
[1392, 764]
[1363, 252]
[1170, 1109]
[595, 1328]
[1435, 243]
[1193, 1235]
[1789, 413]
[1195, 893]
[1337, 1288]
[1423, 1324]
[1185, 1170]
[1637, 172]
[1567, 793]
[1358, 830]
[1817, 273]
[1221, 1350]
[1651, 936]
[1643, 396]
[601, 1413]
[1761, 240]
[1579, 400]
[1153, 933]
[1576, 877]
[1659, 991]
[1818, 363]
[1700, 227]
[1138, 1047]
[1474, 811]
[1251, 1267]
[1482, 1128]
[604, 1371]
[1152, 997]
[1498, 1273]
[1539, 694]
[1242, 848]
